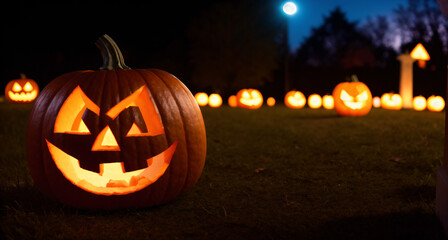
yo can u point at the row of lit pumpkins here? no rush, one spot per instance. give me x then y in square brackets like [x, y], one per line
[346, 100]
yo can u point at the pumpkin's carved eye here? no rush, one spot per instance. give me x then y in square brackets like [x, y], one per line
[16, 87]
[69, 119]
[346, 97]
[246, 94]
[142, 100]
[362, 97]
[27, 87]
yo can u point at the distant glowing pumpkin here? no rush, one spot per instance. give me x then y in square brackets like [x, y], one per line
[314, 101]
[249, 98]
[214, 100]
[376, 102]
[232, 101]
[270, 101]
[328, 102]
[21, 90]
[435, 103]
[419, 103]
[295, 99]
[201, 99]
[352, 99]
[391, 101]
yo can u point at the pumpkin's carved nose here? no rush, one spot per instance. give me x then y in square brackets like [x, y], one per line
[105, 141]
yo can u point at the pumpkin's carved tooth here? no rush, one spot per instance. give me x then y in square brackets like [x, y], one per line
[354, 105]
[134, 180]
[117, 183]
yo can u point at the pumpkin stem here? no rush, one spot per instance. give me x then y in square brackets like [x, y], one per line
[112, 57]
[355, 78]
[22, 76]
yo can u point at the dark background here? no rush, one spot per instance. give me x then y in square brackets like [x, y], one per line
[46, 40]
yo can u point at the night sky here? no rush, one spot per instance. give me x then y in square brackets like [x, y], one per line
[311, 12]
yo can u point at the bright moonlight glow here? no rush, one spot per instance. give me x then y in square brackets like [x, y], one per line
[290, 8]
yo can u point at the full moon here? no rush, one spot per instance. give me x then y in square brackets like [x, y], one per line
[290, 8]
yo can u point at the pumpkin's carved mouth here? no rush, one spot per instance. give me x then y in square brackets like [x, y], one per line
[296, 101]
[354, 105]
[22, 96]
[112, 179]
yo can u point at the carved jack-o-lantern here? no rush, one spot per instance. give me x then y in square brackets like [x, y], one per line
[314, 101]
[22, 90]
[391, 101]
[435, 103]
[214, 100]
[115, 138]
[328, 102]
[201, 98]
[419, 103]
[295, 99]
[249, 98]
[352, 98]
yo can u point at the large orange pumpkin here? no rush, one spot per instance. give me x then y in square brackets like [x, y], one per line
[352, 98]
[116, 137]
[23, 90]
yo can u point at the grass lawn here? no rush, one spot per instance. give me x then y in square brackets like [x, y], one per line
[271, 173]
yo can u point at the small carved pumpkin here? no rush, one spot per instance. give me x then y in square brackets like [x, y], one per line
[295, 99]
[352, 98]
[201, 98]
[116, 137]
[435, 103]
[249, 98]
[328, 102]
[21, 90]
[419, 103]
[391, 101]
[314, 101]
[214, 100]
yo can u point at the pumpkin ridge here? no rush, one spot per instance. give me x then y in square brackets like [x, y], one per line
[155, 100]
[186, 136]
[184, 132]
[198, 112]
